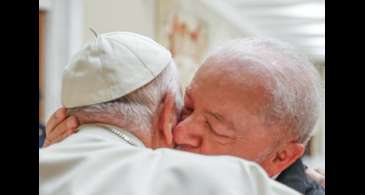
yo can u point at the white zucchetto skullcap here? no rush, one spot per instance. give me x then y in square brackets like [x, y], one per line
[112, 66]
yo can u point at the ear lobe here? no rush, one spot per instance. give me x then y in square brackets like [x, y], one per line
[280, 157]
[168, 119]
[287, 156]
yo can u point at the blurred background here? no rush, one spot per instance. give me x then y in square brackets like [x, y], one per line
[188, 28]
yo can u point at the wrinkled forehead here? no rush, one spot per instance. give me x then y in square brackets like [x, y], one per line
[244, 72]
[234, 87]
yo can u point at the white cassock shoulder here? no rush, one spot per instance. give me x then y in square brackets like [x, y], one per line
[100, 167]
[188, 173]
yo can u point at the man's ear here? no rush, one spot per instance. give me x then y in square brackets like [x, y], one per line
[168, 119]
[284, 157]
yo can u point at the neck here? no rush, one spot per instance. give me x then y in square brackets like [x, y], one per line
[142, 135]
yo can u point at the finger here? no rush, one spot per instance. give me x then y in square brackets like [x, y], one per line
[68, 125]
[62, 137]
[320, 171]
[55, 119]
[323, 182]
[45, 143]
[58, 139]
[322, 174]
[314, 175]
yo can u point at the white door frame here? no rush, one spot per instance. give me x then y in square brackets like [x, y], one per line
[64, 25]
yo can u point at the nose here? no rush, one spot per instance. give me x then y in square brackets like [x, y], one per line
[187, 134]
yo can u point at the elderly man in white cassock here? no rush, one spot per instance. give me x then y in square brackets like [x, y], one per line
[124, 89]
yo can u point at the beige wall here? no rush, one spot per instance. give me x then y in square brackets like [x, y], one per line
[67, 25]
[118, 15]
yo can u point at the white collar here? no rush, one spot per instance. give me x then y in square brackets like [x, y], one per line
[125, 135]
[119, 133]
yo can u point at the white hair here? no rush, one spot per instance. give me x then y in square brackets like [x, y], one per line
[138, 108]
[293, 83]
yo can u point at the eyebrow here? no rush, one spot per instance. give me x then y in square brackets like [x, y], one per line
[221, 119]
[226, 132]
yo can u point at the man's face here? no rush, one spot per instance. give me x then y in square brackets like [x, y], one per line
[221, 116]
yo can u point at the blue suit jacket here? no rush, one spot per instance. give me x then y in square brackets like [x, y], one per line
[296, 178]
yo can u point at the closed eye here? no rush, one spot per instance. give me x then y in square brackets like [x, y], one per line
[217, 133]
[220, 138]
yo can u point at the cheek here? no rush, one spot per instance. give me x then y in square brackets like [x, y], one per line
[245, 152]
[211, 147]
[251, 149]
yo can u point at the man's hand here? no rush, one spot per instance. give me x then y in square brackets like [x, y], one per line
[59, 126]
[317, 175]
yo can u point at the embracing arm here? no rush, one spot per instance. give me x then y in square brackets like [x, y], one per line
[59, 126]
